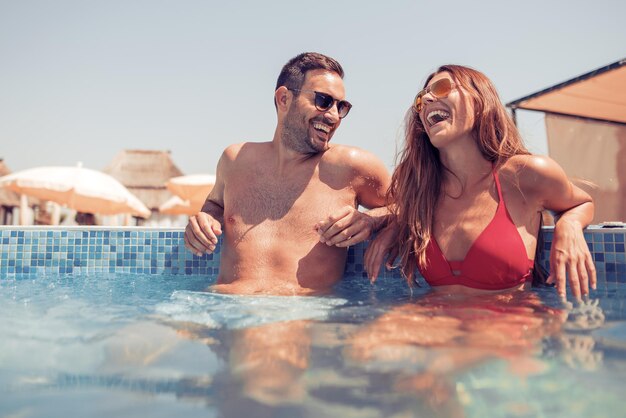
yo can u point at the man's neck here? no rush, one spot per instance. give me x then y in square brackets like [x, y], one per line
[287, 159]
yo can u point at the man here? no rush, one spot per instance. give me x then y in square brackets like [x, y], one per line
[288, 207]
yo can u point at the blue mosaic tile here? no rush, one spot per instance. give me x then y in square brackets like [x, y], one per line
[36, 251]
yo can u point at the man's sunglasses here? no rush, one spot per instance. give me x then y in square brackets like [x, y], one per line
[323, 102]
[439, 89]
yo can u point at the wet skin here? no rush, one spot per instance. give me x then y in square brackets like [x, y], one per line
[469, 200]
[288, 208]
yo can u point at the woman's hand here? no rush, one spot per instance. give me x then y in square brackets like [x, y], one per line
[570, 258]
[378, 249]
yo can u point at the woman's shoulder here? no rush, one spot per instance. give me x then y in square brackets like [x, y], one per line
[531, 165]
[528, 163]
[531, 172]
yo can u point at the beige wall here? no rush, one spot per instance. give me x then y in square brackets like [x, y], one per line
[593, 155]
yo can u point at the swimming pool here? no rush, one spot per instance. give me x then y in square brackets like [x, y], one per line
[108, 323]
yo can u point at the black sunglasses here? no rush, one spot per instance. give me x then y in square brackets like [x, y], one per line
[323, 102]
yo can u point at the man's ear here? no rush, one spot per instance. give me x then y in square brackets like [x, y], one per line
[282, 98]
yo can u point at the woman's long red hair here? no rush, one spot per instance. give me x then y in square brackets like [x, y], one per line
[416, 184]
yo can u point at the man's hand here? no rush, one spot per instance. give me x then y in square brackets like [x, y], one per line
[346, 227]
[570, 257]
[201, 233]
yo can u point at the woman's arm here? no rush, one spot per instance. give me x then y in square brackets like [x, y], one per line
[570, 258]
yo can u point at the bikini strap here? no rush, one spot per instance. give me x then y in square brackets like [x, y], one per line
[497, 180]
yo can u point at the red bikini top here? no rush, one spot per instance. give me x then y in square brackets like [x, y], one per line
[497, 260]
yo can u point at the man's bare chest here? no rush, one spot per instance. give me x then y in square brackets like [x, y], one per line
[255, 199]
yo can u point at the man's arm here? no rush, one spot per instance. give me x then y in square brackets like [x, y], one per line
[349, 226]
[204, 227]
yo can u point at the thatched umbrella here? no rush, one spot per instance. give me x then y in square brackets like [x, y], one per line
[144, 173]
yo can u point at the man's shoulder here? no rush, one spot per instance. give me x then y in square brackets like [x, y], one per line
[349, 155]
[364, 171]
[352, 157]
[243, 149]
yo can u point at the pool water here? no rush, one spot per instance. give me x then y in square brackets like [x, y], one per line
[129, 345]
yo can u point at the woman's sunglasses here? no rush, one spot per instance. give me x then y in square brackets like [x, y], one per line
[439, 89]
[323, 102]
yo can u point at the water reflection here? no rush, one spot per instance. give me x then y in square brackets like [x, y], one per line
[375, 354]
[430, 343]
[577, 351]
[270, 360]
[416, 354]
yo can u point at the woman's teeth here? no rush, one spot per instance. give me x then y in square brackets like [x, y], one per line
[436, 116]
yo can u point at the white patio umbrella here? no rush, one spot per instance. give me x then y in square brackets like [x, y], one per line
[78, 188]
[177, 206]
[194, 187]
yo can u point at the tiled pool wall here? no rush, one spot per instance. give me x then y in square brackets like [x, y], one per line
[33, 251]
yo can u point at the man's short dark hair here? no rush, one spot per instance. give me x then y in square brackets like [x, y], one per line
[293, 73]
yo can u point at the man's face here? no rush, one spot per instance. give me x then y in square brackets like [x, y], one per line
[308, 130]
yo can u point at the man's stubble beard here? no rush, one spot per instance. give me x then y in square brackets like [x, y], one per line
[296, 134]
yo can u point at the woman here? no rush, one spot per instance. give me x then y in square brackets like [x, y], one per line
[467, 197]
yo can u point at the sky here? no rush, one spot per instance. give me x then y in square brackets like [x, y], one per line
[82, 80]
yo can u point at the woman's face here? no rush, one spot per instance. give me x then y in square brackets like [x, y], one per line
[448, 118]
